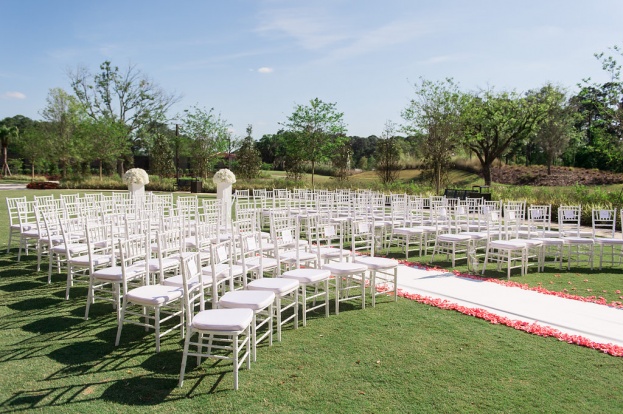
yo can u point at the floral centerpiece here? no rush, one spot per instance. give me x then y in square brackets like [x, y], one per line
[136, 176]
[224, 176]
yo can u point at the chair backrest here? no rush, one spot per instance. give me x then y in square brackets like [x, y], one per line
[284, 232]
[361, 236]
[132, 251]
[44, 200]
[192, 282]
[11, 205]
[222, 253]
[99, 241]
[519, 206]
[70, 198]
[539, 218]
[569, 220]
[26, 213]
[513, 219]
[604, 221]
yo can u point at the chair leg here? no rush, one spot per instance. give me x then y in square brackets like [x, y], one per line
[235, 356]
[157, 328]
[184, 357]
[89, 300]
[304, 301]
[120, 322]
[69, 281]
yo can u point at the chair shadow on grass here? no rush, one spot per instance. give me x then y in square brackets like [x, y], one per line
[140, 391]
[36, 303]
[25, 285]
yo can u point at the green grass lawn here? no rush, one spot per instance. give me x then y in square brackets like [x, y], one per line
[397, 357]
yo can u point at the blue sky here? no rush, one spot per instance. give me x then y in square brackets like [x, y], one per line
[252, 61]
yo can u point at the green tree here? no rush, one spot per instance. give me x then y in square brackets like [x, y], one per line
[209, 134]
[388, 155]
[341, 160]
[435, 116]
[249, 160]
[7, 134]
[62, 115]
[555, 130]
[268, 146]
[161, 144]
[34, 146]
[493, 121]
[126, 97]
[319, 127]
[291, 150]
[105, 140]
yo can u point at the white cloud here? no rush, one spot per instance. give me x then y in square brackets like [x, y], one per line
[311, 28]
[14, 95]
[265, 70]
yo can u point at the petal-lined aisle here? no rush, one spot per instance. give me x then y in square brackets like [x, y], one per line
[594, 325]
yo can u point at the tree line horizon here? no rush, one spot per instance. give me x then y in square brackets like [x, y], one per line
[113, 115]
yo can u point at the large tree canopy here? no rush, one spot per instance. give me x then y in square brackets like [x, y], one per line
[125, 97]
[319, 127]
[209, 133]
[492, 121]
[435, 115]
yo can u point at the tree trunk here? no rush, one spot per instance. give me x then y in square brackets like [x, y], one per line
[549, 166]
[5, 165]
[100, 170]
[486, 172]
[313, 170]
[438, 178]
[32, 171]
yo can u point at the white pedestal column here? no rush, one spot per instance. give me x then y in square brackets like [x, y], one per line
[137, 192]
[223, 193]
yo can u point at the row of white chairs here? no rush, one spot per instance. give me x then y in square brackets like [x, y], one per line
[107, 243]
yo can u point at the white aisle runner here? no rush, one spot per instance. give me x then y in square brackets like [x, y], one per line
[598, 323]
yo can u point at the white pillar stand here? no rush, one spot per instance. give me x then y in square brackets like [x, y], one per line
[137, 192]
[223, 193]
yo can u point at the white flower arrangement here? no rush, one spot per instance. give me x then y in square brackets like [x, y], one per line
[224, 176]
[135, 176]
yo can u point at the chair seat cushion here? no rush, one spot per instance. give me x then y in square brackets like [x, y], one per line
[307, 276]
[222, 270]
[345, 268]
[376, 263]
[34, 233]
[226, 320]
[607, 240]
[303, 256]
[454, 237]
[578, 240]
[177, 281]
[550, 241]
[330, 251]
[167, 263]
[114, 274]
[475, 235]
[73, 249]
[508, 244]
[95, 259]
[532, 242]
[278, 285]
[250, 299]
[253, 262]
[154, 295]
[409, 231]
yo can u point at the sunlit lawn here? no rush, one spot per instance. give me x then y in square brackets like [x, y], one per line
[396, 357]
